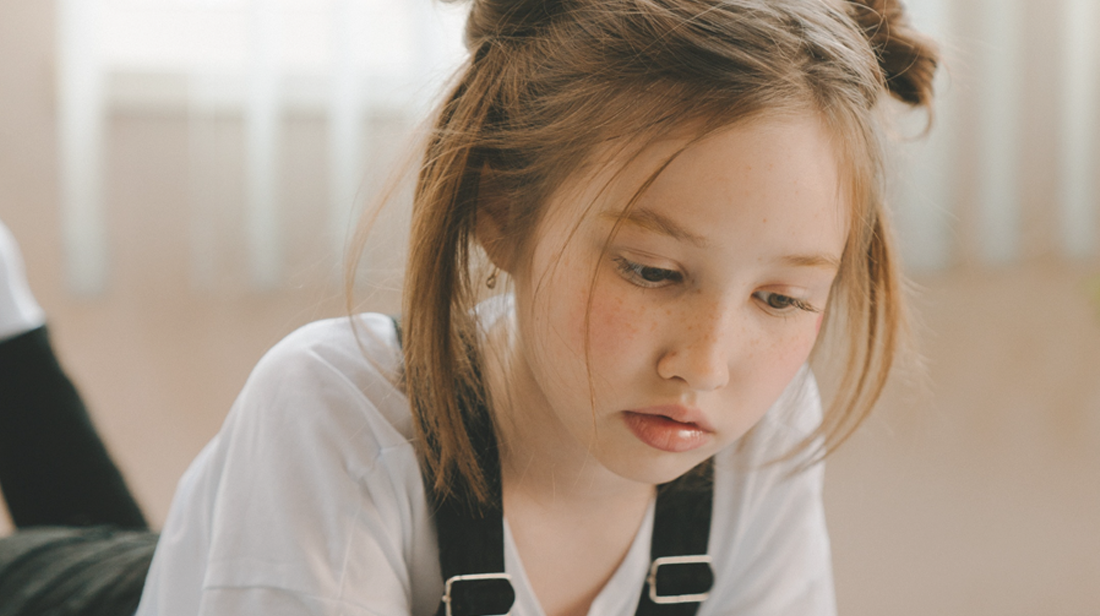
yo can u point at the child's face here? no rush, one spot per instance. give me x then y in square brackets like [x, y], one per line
[706, 302]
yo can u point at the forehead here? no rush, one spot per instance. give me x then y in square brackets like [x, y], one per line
[785, 168]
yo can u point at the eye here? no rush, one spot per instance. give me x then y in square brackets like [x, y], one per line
[646, 276]
[777, 302]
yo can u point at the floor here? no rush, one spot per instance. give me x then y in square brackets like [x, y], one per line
[976, 490]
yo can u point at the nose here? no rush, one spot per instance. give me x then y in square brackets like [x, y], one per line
[700, 354]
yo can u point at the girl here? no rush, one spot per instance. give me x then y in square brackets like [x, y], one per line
[630, 223]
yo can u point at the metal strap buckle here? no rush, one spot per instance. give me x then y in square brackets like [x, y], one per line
[476, 577]
[677, 560]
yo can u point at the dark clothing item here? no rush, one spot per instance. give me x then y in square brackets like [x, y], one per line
[83, 547]
[54, 469]
[90, 571]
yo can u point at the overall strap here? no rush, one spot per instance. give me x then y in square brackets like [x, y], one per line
[471, 553]
[471, 539]
[680, 576]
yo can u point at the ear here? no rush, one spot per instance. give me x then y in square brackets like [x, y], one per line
[492, 225]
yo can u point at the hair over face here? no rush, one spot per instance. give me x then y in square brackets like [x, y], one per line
[549, 82]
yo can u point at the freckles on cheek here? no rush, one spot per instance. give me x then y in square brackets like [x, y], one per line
[615, 322]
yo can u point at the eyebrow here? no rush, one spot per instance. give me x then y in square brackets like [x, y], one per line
[656, 222]
[822, 261]
[659, 223]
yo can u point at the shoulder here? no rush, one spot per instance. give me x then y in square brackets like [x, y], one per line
[312, 481]
[362, 350]
[769, 537]
[321, 413]
[344, 340]
[341, 371]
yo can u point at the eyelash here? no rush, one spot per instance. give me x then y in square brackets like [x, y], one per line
[636, 273]
[792, 303]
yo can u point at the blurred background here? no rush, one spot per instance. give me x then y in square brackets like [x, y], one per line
[182, 176]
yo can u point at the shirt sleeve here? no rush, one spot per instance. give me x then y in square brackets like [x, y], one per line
[770, 542]
[308, 487]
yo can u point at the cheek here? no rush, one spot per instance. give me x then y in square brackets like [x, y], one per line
[616, 323]
[617, 342]
[788, 352]
[797, 347]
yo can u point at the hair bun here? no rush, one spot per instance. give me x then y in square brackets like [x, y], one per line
[508, 19]
[908, 59]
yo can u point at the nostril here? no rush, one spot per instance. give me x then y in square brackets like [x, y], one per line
[698, 369]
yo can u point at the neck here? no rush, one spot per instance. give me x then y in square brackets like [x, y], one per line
[572, 520]
[532, 469]
[540, 460]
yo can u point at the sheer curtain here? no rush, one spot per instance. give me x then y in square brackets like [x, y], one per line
[1008, 172]
[256, 66]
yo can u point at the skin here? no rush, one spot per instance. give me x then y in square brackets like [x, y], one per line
[706, 301]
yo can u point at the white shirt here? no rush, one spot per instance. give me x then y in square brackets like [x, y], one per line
[310, 501]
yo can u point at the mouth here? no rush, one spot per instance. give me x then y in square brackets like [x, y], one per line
[671, 428]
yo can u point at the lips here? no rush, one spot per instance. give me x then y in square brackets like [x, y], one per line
[670, 428]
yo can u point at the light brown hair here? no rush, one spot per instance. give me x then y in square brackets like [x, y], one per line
[548, 82]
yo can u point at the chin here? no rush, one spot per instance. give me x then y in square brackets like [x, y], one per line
[657, 467]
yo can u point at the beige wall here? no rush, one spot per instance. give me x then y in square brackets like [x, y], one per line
[978, 494]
